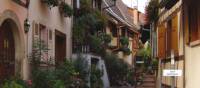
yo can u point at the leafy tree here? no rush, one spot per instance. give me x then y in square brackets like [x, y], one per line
[152, 10]
[88, 21]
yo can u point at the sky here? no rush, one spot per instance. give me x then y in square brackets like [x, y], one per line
[133, 3]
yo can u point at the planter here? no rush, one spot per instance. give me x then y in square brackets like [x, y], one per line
[51, 3]
[126, 50]
[65, 9]
[124, 41]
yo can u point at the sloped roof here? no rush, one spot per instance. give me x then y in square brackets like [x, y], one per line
[119, 11]
[124, 10]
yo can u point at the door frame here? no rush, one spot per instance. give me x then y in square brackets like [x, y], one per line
[63, 37]
[21, 62]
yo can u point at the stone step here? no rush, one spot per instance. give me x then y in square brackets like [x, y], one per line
[149, 76]
[148, 85]
[145, 87]
[149, 80]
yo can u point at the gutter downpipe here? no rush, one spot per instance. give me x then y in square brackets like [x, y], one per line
[183, 28]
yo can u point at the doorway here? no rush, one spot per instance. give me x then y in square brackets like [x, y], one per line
[7, 51]
[60, 47]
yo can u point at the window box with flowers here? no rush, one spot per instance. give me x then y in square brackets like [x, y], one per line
[65, 9]
[51, 3]
[124, 41]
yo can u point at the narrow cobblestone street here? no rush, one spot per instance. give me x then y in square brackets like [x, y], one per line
[99, 43]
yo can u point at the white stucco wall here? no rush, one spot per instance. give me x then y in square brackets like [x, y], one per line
[100, 64]
[192, 65]
[40, 13]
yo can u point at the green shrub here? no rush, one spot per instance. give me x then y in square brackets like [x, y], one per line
[14, 83]
[51, 3]
[118, 70]
[124, 41]
[67, 74]
[59, 84]
[95, 78]
[66, 9]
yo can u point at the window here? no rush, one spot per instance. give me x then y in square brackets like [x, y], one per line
[172, 35]
[113, 30]
[50, 34]
[130, 34]
[36, 29]
[43, 34]
[169, 37]
[123, 32]
[194, 22]
[76, 4]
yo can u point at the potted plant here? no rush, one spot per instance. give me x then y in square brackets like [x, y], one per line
[65, 9]
[124, 41]
[51, 3]
[126, 50]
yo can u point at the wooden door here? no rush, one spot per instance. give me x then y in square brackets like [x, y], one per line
[60, 47]
[7, 52]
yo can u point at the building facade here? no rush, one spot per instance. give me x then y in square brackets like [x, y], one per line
[191, 21]
[121, 25]
[168, 40]
[49, 25]
[13, 44]
[17, 38]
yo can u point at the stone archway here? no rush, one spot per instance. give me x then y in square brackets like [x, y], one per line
[9, 18]
[7, 51]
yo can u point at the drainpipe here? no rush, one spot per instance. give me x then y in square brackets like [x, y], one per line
[183, 28]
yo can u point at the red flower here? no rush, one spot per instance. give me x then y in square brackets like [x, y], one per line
[29, 82]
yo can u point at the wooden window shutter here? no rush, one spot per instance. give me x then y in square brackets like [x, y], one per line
[161, 41]
[198, 19]
[36, 31]
[186, 29]
[175, 38]
[193, 23]
[33, 30]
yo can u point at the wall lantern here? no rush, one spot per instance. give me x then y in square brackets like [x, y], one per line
[26, 25]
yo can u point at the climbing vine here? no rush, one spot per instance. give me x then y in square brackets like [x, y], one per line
[88, 22]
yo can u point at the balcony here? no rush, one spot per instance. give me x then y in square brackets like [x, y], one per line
[168, 4]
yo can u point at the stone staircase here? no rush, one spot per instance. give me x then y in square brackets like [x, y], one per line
[149, 81]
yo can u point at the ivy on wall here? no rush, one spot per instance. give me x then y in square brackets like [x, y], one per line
[88, 22]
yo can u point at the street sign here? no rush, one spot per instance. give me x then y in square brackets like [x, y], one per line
[139, 62]
[170, 72]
